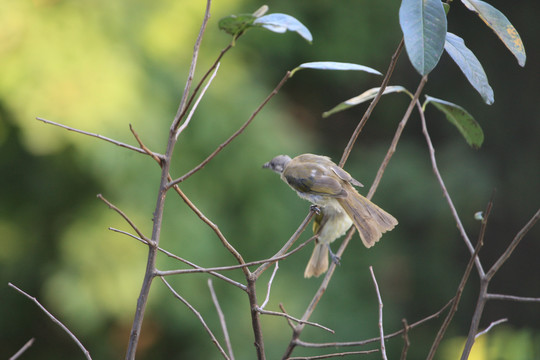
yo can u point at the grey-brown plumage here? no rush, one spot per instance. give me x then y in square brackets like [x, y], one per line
[323, 183]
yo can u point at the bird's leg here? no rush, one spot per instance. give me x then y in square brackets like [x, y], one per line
[335, 259]
[315, 209]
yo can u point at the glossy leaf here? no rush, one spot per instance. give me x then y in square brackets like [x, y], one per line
[332, 65]
[423, 23]
[501, 25]
[236, 24]
[460, 118]
[469, 65]
[280, 23]
[365, 96]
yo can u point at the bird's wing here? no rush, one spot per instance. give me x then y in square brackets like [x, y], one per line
[313, 180]
[345, 176]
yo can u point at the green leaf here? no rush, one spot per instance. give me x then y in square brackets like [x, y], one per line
[332, 65]
[280, 23]
[469, 65]
[460, 118]
[363, 97]
[446, 7]
[423, 23]
[236, 24]
[501, 25]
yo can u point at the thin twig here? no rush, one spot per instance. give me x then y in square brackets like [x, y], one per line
[187, 262]
[55, 320]
[500, 261]
[315, 300]
[269, 287]
[221, 319]
[334, 355]
[461, 286]
[198, 315]
[372, 105]
[512, 298]
[397, 135]
[282, 308]
[112, 141]
[194, 107]
[213, 226]
[128, 220]
[144, 147]
[232, 267]
[184, 104]
[275, 313]
[379, 299]
[233, 136]
[495, 323]
[484, 283]
[406, 341]
[22, 349]
[460, 227]
[282, 252]
[372, 340]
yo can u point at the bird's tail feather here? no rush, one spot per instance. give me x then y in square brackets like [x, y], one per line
[370, 220]
[318, 263]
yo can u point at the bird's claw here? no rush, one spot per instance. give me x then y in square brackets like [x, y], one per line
[315, 209]
[335, 259]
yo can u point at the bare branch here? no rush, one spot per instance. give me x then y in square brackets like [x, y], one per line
[315, 300]
[282, 252]
[128, 220]
[395, 140]
[379, 299]
[214, 227]
[154, 156]
[377, 339]
[285, 312]
[230, 267]
[512, 298]
[461, 229]
[55, 320]
[194, 107]
[495, 323]
[23, 349]
[275, 313]
[233, 136]
[198, 315]
[372, 105]
[513, 245]
[328, 356]
[269, 287]
[112, 141]
[461, 286]
[484, 283]
[184, 104]
[221, 319]
[187, 262]
[406, 341]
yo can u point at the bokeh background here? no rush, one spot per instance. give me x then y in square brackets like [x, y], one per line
[101, 65]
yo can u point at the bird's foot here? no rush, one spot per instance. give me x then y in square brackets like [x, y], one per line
[335, 259]
[315, 209]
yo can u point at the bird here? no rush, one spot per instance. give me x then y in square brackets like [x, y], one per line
[330, 188]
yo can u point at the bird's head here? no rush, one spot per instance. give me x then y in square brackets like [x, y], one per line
[278, 163]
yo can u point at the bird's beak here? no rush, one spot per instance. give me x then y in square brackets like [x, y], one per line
[266, 165]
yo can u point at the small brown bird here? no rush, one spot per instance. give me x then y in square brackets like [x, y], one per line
[320, 181]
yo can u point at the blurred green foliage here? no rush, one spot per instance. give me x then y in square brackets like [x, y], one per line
[100, 65]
